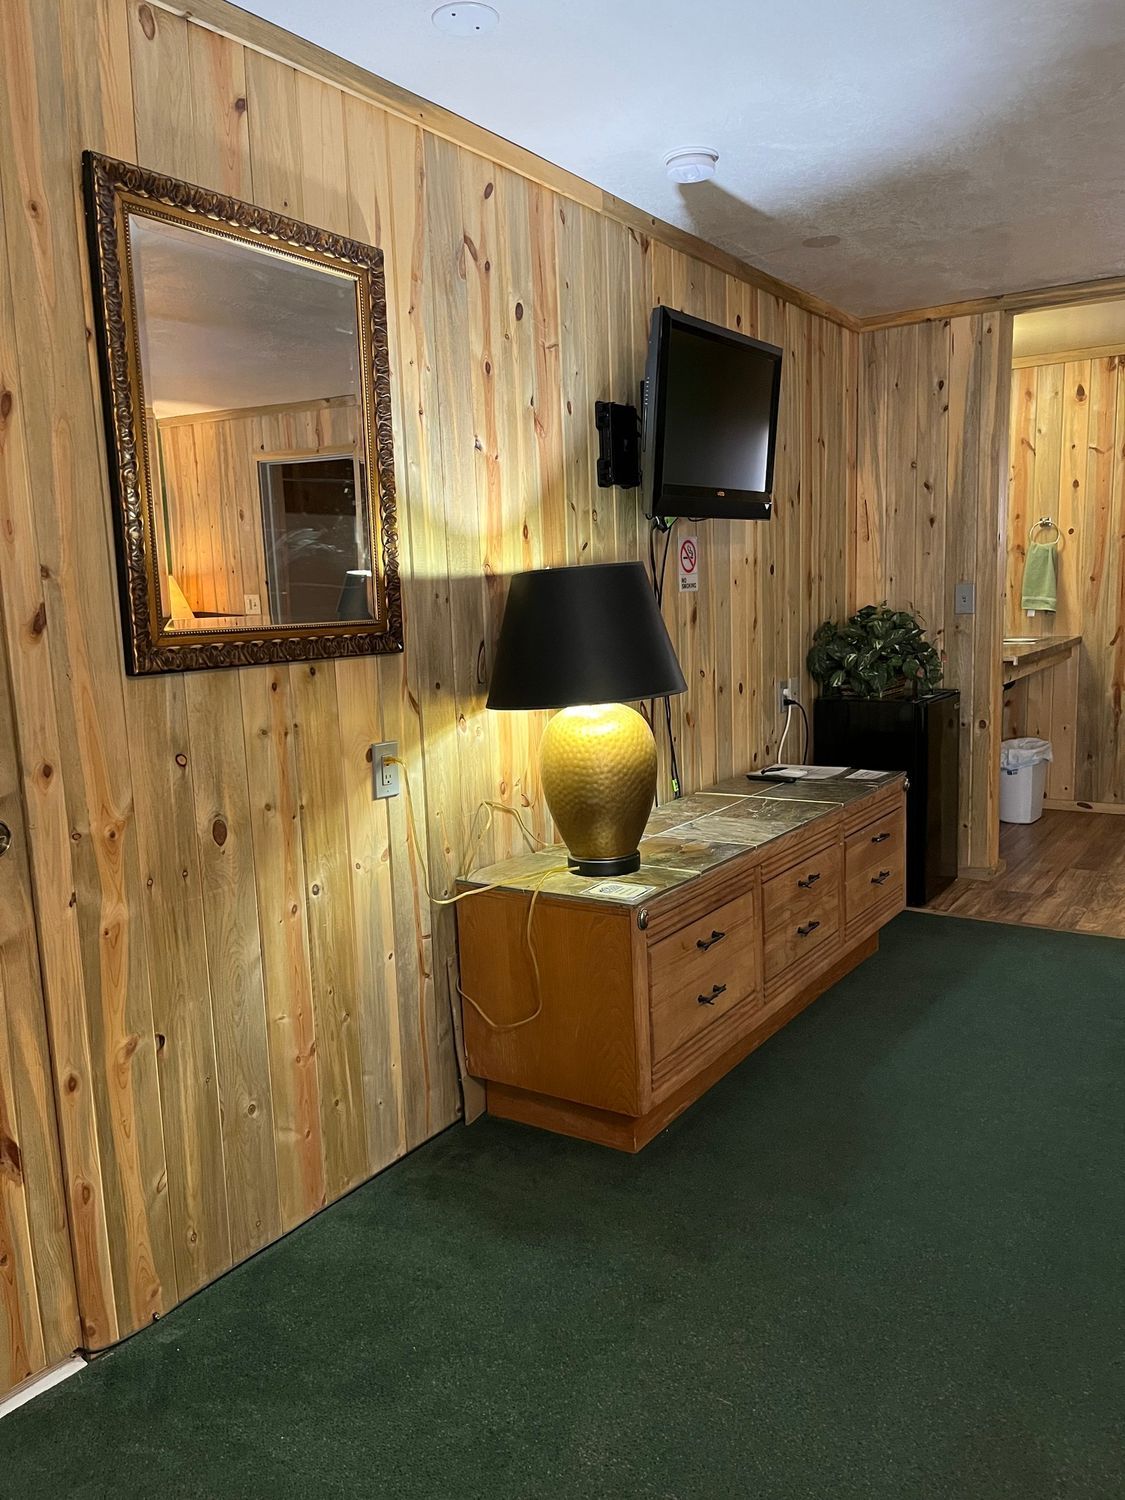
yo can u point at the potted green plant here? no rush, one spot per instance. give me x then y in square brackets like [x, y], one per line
[878, 652]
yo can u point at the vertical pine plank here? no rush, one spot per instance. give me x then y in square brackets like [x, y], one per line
[1021, 492]
[996, 365]
[224, 834]
[1048, 442]
[961, 553]
[1107, 733]
[772, 544]
[626, 330]
[369, 692]
[39, 1285]
[511, 290]
[747, 689]
[430, 1088]
[331, 925]
[269, 735]
[576, 228]
[931, 516]
[38, 1308]
[871, 480]
[712, 691]
[1070, 508]
[902, 466]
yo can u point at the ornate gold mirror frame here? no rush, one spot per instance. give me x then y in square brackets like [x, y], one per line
[119, 194]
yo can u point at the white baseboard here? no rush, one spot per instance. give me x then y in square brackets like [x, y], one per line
[27, 1390]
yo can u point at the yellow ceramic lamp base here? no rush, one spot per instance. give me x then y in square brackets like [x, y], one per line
[598, 765]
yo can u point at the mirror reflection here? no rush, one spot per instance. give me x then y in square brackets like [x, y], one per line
[253, 405]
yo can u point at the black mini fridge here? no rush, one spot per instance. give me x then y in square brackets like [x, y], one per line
[921, 736]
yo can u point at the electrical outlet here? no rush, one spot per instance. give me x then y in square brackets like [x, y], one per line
[788, 691]
[385, 778]
[965, 599]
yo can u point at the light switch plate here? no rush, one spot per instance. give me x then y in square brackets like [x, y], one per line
[385, 778]
[965, 599]
[252, 604]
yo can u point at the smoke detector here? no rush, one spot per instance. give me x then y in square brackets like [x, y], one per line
[691, 163]
[465, 18]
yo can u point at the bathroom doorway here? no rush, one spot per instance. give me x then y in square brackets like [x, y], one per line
[1063, 647]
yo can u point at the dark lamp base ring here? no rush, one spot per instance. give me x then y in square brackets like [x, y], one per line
[624, 864]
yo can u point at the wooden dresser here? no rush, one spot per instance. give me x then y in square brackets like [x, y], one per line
[751, 900]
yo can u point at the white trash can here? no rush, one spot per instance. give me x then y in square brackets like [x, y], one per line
[1023, 779]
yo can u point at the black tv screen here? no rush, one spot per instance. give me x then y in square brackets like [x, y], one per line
[710, 420]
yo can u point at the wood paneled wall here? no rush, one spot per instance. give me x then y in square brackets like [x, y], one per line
[249, 994]
[38, 1309]
[932, 451]
[210, 472]
[1068, 462]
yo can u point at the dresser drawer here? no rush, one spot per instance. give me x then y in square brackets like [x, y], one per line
[803, 888]
[703, 971]
[875, 866]
[802, 936]
[801, 910]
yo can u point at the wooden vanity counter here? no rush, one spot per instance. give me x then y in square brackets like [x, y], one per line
[1024, 658]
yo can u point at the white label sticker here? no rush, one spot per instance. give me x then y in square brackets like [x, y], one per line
[620, 890]
[866, 775]
[689, 565]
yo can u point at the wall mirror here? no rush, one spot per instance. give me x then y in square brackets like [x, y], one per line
[246, 390]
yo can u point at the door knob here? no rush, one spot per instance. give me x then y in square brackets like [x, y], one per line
[5, 839]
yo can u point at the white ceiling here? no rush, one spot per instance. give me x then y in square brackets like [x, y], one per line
[936, 149]
[1058, 330]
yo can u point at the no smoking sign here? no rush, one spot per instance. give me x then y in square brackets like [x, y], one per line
[689, 565]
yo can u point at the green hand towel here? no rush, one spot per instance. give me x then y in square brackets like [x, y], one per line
[1040, 578]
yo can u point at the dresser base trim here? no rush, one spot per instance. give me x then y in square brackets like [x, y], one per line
[631, 1133]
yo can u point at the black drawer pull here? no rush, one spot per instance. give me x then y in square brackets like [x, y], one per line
[807, 928]
[880, 838]
[882, 876]
[716, 991]
[809, 881]
[705, 943]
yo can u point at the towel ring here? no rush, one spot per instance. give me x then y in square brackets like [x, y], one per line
[1045, 523]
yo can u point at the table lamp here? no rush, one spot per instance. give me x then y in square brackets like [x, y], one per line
[581, 640]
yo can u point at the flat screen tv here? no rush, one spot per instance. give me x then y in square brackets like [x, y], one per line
[710, 420]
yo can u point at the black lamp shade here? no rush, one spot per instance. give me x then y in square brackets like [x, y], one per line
[590, 634]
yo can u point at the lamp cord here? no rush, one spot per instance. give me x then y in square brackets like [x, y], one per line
[480, 890]
[785, 735]
[664, 525]
[800, 707]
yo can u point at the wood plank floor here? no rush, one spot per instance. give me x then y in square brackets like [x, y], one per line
[1066, 872]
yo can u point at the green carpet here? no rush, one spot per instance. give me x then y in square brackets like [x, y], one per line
[884, 1258]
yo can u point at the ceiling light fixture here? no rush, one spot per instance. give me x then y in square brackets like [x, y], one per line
[465, 18]
[691, 163]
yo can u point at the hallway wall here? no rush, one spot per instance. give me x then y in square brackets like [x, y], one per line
[932, 447]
